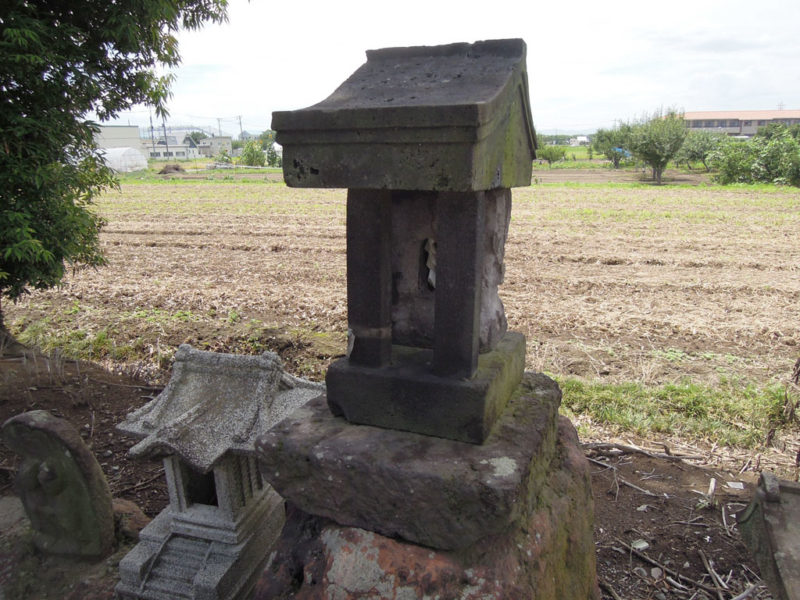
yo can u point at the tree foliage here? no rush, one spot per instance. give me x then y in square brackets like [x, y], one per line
[613, 143]
[273, 158]
[778, 130]
[62, 61]
[551, 153]
[267, 138]
[772, 158]
[655, 140]
[197, 136]
[252, 154]
[698, 146]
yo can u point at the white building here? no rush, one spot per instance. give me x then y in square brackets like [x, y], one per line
[738, 122]
[118, 136]
[171, 147]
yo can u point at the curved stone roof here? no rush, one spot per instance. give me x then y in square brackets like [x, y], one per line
[214, 403]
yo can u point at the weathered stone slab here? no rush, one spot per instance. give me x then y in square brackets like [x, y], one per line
[61, 485]
[431, 491]
[548, 553]
[445, 118]
[407, 397]
[771, 528]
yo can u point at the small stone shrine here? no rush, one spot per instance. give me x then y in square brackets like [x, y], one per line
[433, 467]
[215, 536]
[62, 488]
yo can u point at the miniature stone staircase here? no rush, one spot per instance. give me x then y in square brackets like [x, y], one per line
[174, 568]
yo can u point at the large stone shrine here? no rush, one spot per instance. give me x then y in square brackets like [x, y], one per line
[433, 466]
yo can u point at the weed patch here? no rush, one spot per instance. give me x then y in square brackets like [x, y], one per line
[732, 415]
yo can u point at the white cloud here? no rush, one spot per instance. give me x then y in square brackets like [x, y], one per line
[589, 62]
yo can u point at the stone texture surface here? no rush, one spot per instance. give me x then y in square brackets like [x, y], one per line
[452, 117]
[432, 491]
[215, 537]
[169, 563]
[61, 485]
[407, 397]
[414, 228]
[493, 315]
[546, 554]
[213, 403]
[771, 528]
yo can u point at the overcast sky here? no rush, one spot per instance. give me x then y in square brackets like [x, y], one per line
[589, 62]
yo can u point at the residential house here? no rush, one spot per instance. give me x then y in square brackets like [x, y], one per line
[214, 145]
[171, 147]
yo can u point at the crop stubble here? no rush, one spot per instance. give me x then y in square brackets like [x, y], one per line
[613, 282]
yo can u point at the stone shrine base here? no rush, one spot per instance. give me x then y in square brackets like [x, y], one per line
[383, 514]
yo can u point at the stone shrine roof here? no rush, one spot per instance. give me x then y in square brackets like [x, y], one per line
[214, 403]
[453, 117]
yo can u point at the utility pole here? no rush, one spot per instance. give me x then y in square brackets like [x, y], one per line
[152, 136]
[166, 141]
[241, 131]
[219, 127]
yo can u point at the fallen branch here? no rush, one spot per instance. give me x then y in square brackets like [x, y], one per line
[638, 489]
[672, 572]
[747, 593]
[127, 385]
[606, 448]
[725, 522]
[601, 463]
[715, 578]
[605, 585]
[621, 480]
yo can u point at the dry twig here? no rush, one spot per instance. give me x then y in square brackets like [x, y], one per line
[607, 449]
[747, 593]
[139, 485]
[157, 388]
[672, 572]
[718, 583]
[618, 479]
[607, 587]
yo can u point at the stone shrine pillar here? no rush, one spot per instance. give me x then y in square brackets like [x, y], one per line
[430, 441]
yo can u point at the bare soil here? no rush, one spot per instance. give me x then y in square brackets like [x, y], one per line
[670, 512]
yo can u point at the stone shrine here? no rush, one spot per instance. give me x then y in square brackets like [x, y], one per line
[433, 467]
[216, 534]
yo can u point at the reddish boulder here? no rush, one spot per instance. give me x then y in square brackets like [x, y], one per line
[547, 554]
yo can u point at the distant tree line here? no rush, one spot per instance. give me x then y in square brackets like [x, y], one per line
[771, 156]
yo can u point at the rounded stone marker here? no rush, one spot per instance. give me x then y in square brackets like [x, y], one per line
[61, 485]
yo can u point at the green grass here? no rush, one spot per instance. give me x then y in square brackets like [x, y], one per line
[731, 413]
[571, 164]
